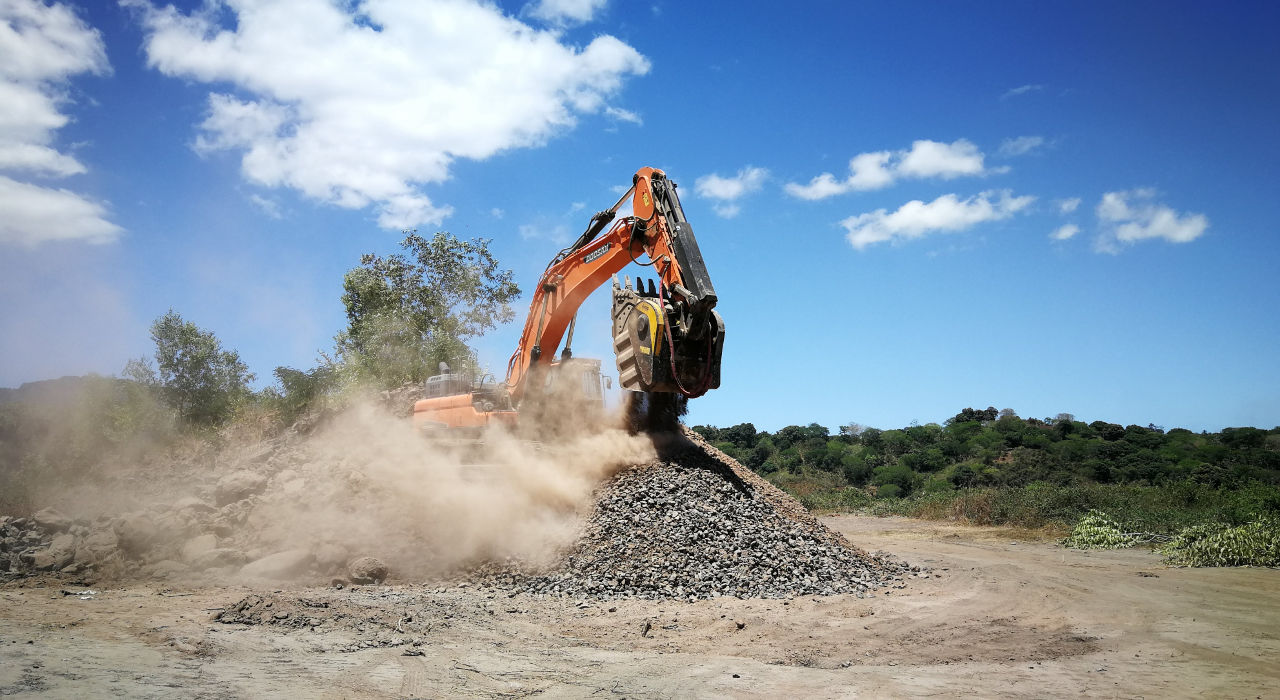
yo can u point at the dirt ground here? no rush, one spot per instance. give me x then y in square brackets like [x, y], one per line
[1001, 615]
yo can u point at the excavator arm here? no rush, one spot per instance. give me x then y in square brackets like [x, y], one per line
[668, 338]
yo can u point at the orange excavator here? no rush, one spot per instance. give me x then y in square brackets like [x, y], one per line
[667, 338]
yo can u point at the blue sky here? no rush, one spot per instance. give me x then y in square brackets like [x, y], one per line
[906, 208]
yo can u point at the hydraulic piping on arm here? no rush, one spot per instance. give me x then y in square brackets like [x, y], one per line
[667, 338]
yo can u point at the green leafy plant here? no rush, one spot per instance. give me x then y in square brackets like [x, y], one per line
[1255, 543]
[408, 313]
[198, 378]
[1096, 530]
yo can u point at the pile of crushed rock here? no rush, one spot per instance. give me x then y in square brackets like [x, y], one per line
[694, 524]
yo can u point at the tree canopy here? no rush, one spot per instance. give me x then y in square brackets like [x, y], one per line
[408, 312]
[200, 380]
[987, 447]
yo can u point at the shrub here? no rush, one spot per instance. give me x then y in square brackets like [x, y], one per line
[1217, 544]
[1098, 531]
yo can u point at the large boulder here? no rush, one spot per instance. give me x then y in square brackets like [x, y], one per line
[288, 564]
[99, 545]
[58, 554]
[367, 570]
[136, 533]
[51, 520]
[238, 486]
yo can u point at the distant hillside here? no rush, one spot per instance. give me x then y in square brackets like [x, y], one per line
[49, 390]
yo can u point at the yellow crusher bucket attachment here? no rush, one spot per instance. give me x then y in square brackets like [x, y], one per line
[659, 346]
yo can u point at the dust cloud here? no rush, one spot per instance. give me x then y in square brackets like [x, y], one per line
[253, 502]
[370, 485]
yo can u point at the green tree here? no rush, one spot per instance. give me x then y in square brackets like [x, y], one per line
[970, 415]
[198, 379]
[406, 313]
[299, 390]
[760, 453]
[897, 474]
[742, 434]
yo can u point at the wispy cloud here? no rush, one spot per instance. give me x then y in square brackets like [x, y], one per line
[1021, 90]
[946, 214]
[565, 12]
[623, 115]
[728, 190]
[1064, 232]
[266, 205]
[357, 117]
[879, 169]
[41, 48]
[1128, 217]
[1066, 206]
[1021, 145]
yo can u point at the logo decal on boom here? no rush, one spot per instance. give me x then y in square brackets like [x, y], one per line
[596, 254]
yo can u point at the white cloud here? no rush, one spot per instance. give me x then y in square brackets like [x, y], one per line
[565, 11]
[623, 115]
[35, 214]
[879, 169]
[728, 190]
[934, 159]
[726, 210]
[41, 48]
[1133, 215]
[1021, 90]
[1021, 145]
[946, 214]
[361, 104]
[1064, 232]
[497, 213]
[1066, 206]
[267, 206]
[38, 160]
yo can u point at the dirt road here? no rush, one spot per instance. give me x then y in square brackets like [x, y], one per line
[1000, 616]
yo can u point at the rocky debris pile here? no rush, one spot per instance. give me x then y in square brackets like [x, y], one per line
[212, 534]
[696, 524]
[51, 541]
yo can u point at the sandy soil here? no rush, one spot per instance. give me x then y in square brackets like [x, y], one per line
[1001, 615]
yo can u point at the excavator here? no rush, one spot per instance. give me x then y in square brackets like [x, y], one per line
[667, 337]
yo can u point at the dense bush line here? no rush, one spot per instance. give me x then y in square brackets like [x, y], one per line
[984, 448]
[1214, 497]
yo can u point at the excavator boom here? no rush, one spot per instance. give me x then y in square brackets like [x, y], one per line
[668, 338]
